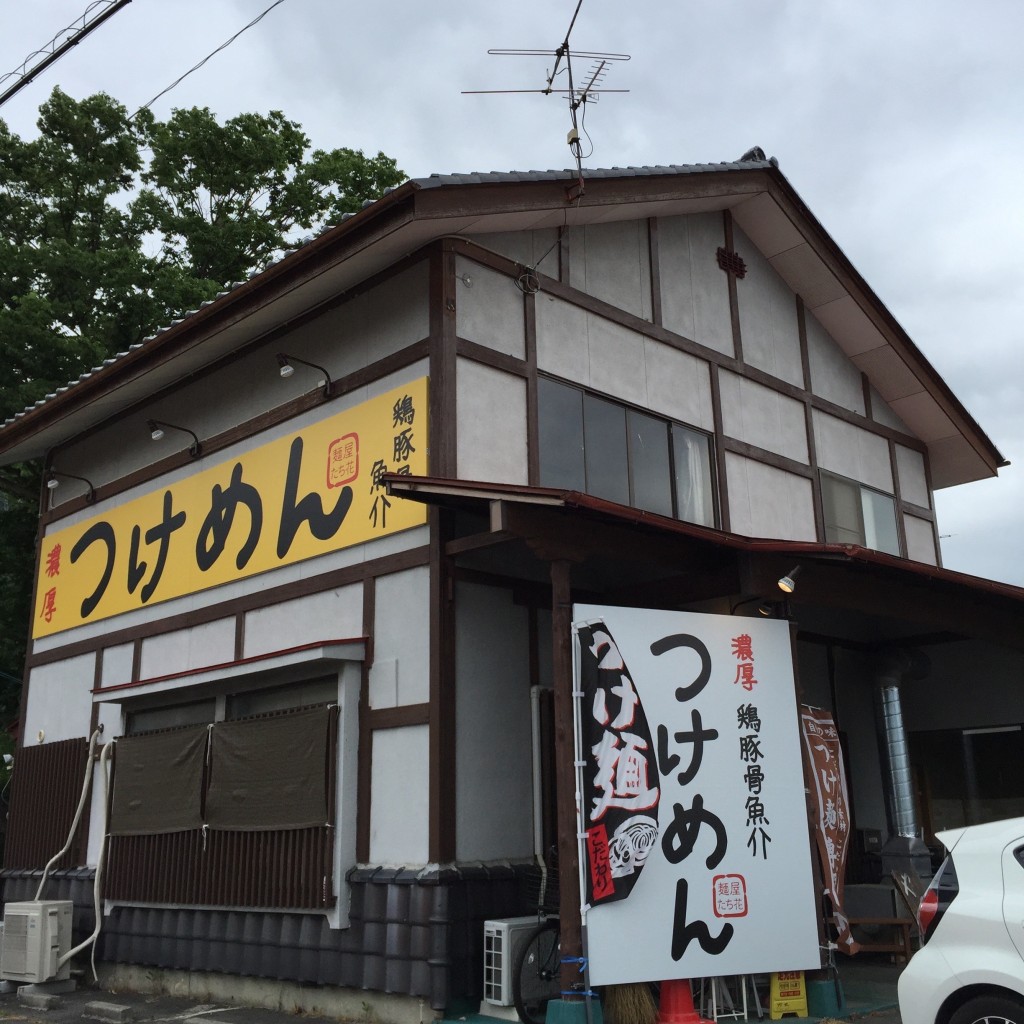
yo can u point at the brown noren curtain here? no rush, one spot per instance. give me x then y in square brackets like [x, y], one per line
[158, 782]
[269, 773]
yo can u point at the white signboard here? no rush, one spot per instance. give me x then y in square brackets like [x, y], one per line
[695, 845]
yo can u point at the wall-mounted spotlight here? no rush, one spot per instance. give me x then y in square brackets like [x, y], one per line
[52, 483]
[787, 583]
[156, 430]
[286, 370]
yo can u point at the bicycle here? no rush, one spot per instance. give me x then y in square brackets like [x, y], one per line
[537, 960]
[536, 975]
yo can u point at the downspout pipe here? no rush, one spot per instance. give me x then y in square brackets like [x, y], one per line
[904, 850]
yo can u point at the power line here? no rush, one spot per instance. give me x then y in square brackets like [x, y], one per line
[49, 53]
[223, 46]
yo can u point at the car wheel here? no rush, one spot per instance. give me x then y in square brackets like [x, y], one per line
[990, 1010]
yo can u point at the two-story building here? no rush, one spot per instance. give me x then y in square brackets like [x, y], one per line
[312, 550]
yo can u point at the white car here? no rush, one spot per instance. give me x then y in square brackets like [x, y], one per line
[970, 968]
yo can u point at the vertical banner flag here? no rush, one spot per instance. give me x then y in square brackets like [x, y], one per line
[693, 818]
[832, 804]
[622, 831]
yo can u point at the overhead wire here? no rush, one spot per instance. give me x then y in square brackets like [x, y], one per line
[213, 53]
[63, 42]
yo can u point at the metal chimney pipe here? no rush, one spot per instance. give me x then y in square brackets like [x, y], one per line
[900, 807]
[904, 850]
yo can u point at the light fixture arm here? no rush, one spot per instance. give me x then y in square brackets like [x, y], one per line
[157, 427]
[52, 483]
[285, 361]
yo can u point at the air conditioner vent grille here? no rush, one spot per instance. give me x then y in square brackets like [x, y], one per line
[36, 935]
[503, 938]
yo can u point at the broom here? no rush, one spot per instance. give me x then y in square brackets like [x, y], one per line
[630, 1004]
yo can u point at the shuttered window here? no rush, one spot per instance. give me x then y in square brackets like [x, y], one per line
[237, 813]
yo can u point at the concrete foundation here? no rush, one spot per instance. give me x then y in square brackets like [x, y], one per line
[288, 997]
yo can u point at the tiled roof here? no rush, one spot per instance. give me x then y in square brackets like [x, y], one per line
[754, 160]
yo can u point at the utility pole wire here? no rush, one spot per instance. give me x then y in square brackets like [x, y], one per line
[223, 46]
[49, 53]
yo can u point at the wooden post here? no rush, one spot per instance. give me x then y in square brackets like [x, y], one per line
[565, 776]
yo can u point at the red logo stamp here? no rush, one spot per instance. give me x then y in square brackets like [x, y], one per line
[343, 461]
[730, 895]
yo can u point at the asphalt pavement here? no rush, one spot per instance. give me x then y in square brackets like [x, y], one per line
[87, 1004]
[870, 996]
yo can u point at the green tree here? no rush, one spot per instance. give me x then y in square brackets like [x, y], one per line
[112, 225]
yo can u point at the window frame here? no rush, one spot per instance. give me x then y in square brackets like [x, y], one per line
[671, 427]
[826, 477]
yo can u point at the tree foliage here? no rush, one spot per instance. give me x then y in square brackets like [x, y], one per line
[112, 225]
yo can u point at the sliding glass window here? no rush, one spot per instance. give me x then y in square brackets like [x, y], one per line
[855, 514]
[607, 449]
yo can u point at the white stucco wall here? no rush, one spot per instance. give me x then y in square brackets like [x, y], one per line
[489, 308]
[384, 320]
[768, 502]
[612, 262]
[400, 673]
[535, 249]
[833, 376]
[694, 289]
[768, 318]
[117, 664]
[881, 412]
[494, 802]
[853, 452]
[595, 353]
[491, 424]
[331, 615]
[400, 796]
[347, 791]
[913, 482]
[59, 700]
[678, 385]
[763, 417]
[212, 643]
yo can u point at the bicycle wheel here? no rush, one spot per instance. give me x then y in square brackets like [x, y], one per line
[535, 978]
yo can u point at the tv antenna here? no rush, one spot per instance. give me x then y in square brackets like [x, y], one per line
[579, 95]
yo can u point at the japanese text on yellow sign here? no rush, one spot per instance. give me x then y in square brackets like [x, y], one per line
[312, 492]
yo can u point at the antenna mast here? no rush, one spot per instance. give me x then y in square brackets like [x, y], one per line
[578, 96]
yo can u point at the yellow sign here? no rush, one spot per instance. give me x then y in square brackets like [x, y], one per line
[788, 994]
[312, 492]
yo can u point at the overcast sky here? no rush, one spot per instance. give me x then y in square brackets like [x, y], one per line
[899, 123]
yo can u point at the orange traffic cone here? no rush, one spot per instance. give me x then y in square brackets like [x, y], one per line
[676, 1004]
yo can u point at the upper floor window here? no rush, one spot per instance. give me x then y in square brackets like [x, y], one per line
[609, 450]
[855, 514]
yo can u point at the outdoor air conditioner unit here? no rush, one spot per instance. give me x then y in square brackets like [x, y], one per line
[35, 936]
[503, 939]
